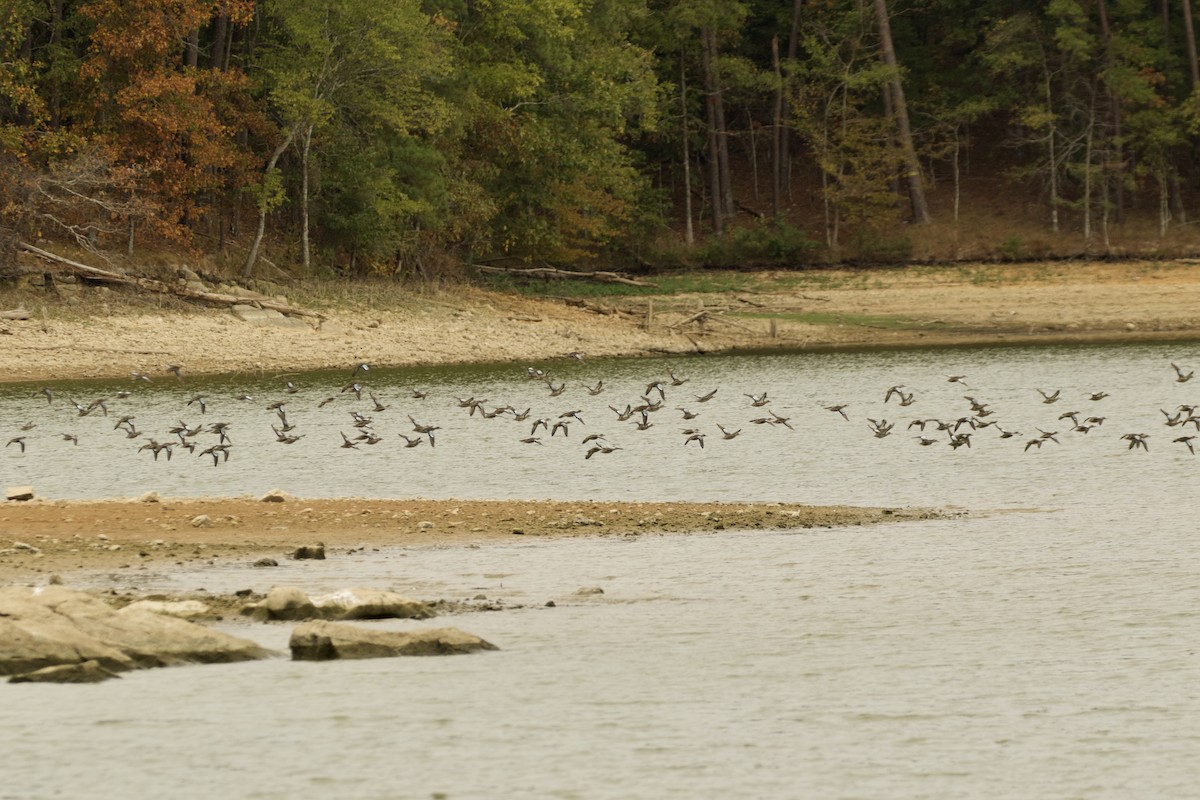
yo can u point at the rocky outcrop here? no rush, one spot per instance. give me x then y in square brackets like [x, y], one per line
[83, 672]
[183, 609]
[54, 626]
[370, 604]
[289, 603]
[325, 641]
[282, 603]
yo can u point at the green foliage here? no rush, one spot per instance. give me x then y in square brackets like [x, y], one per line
[354, 82]
[1012, 248]
[547, 91]
[268, 194]
[881, 249]
[836, 114]
[763, 244]
[377, 202]
[553, 130]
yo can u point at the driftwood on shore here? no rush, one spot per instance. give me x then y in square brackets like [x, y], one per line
[159, 287]
[596, 308]
[565, 274]
[710, 314]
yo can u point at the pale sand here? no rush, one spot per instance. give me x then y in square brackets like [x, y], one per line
[925, 306]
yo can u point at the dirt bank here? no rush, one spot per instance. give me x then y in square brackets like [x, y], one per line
[77, 333]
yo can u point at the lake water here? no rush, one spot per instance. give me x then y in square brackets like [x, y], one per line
[1043, 646]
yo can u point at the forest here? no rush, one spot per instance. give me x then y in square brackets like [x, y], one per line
[419, 138]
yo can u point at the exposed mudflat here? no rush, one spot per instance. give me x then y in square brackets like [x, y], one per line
[43, 538]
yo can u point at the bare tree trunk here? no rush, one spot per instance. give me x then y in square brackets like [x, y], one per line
[220, 31]
[1087, 183]
[1189, 36]
[785, 158]
[920, 210]
[1050, 142]
[248, 269]
[305, 147]
[1164, 201]
[714, 168]
[1178, 209]
[56, 26]
[1118, 162]
[191, 50]
[778, 145]
[753, 153]
[889, 111]
[957, 177]
[1104, 204]
[234, 37]
[1118, 166]
[727, 206]
[689, 234]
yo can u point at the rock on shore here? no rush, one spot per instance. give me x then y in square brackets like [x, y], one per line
[290, 603]
[54, 626]
[325, 641]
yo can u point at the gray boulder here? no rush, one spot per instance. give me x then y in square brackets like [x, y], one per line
[54, 626]
[290, 603]
[183, 609]
[282, 603]
[370, 604]
[325, 641]
[33, 636]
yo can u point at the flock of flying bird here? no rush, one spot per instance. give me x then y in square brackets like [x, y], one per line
[215, 440]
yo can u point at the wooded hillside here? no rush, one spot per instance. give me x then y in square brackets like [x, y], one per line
[358, 136]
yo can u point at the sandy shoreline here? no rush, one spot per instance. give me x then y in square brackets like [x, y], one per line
[1069, 302]
[44, 538]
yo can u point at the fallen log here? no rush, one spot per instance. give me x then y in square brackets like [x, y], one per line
[159, 287]
[565, 274]
[700, 316]
[723, 318]
[711, 314]
[16, 313]
[595, 308]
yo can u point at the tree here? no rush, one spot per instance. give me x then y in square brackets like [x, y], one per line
[710, 23]
[835, 112]
[549, 93]
[920, 210]
[177, 126]
[347, 68]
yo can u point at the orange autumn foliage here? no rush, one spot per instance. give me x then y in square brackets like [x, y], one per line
[177, 126]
